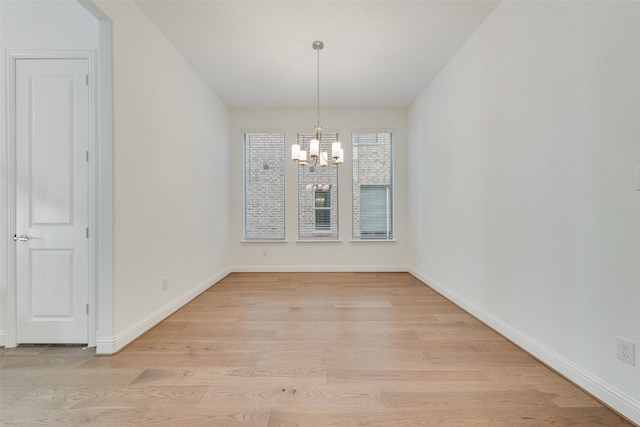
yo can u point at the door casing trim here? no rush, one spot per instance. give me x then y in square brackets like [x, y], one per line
[9, 304]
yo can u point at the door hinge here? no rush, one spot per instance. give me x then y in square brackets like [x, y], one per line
[86, 80]
[87, 155]
[87, 232]
[87, 308]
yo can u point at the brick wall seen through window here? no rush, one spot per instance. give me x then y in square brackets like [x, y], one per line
[264, 203]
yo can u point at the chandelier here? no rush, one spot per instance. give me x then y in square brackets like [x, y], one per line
[317, 157]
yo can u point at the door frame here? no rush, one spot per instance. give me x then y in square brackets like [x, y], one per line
[10, 306]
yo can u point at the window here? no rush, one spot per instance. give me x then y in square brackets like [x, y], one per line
[323, 210]
[318, 194]
[264, 186]
[372, 186]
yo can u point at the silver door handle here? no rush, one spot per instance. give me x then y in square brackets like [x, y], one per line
[20, 238]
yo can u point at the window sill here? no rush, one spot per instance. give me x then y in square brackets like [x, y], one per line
[374, 241]
[319, 241]
[263, 241]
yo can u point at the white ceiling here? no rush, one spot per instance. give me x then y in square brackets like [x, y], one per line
[258, 54]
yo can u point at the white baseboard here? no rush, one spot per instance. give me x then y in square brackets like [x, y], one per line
[315, 268]
[111, 345]
[616, 399]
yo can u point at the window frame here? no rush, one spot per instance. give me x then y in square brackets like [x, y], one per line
[326, 208]
[357, 182]
[282, 205]
[307, 231]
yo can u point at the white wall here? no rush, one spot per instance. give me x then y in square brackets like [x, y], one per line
[31, 26]
[313, 256]
[171, 214]
[523, 156]
[46, 25]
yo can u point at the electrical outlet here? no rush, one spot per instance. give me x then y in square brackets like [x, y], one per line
[626, 350]
[165, 284]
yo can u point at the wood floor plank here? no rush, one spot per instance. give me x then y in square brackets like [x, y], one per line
[186, 359]
[522, 375]
[292, 349]
[293, 393]
[386, 418]
[218, 417]
[195, 345]
[464, 398]
[568, 396]
[77, 417]
[565, 417]
[458, 417]
[225, 376]
[347, 336]
[511, 357]
[386, 377]
[72, 398]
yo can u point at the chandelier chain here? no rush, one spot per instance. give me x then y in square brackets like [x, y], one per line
[318, 85]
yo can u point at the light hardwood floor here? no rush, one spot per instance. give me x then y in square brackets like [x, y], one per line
[278, 349]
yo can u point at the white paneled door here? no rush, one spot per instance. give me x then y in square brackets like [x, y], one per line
[52, 140]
